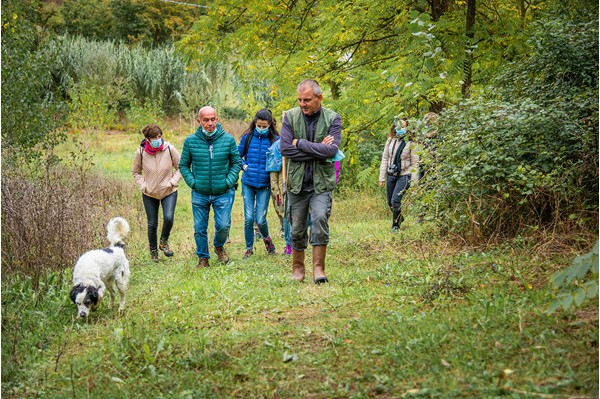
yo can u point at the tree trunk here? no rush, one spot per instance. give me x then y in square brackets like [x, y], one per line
[439, 8]
[335, 89]
[470, 33]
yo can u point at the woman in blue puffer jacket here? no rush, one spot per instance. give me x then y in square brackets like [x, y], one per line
[256, 186]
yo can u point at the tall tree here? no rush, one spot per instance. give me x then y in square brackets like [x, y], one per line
[470, 34]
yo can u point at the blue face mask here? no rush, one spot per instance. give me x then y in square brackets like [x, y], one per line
[260, 131]
[156, 143]
[400, 132]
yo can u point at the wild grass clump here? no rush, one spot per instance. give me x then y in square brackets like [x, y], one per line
[50, 218]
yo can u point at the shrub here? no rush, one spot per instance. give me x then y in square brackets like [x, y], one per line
[50, 215]
[30, 107]
[524, 158]
[577, 282]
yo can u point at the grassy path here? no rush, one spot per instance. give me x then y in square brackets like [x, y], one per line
[405, 315]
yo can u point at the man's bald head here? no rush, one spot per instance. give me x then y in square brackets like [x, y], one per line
[207, 118]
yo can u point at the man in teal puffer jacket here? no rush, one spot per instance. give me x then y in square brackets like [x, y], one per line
[210, 165]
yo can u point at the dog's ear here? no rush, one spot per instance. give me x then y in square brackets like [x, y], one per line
[93, 295]
[76, 290]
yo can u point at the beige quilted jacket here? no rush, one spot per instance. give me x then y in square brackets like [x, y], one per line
[409, 160]
[157, 175]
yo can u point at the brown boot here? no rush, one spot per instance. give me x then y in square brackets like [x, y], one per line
[297, 265]
[319, 264]
[202, 262]
[222, 254]
[164, 246]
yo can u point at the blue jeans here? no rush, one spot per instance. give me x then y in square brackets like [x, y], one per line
[201, 208]
[151, 205]
[256, 204]
[231, 201]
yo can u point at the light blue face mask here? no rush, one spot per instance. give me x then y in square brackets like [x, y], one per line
[400, 132]
[156, 143]
[260, 131]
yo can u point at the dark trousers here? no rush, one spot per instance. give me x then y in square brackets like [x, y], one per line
[168, 206]
[396, 186]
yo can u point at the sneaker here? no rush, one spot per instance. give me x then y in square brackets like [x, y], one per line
[248, 253]
[395, 229]
[269, 245]
[154, 255]
[222, 254]
[202, 262]
[287, 250]
[164, 246]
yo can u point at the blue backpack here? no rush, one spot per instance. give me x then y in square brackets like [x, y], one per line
[274, 158]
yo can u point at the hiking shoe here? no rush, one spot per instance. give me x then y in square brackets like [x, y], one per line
[269, 245]
[202, 262]
[164, 246]
[248, 253]
[287, 250]
[154, 255]
[222, 254]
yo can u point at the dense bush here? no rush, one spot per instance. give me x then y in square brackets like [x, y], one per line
[30, 107]
[529, 157]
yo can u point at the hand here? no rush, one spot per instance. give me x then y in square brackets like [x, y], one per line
[294, 141]
[245, 167]
[278, 200]
[381, 183]
[327, 140]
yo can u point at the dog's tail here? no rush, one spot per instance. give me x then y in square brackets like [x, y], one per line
[117, 230]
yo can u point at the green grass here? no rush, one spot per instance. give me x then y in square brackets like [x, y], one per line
[407, 315]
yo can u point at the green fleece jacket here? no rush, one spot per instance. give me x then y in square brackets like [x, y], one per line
[210, 165]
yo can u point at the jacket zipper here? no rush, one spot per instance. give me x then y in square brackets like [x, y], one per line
[210, 150]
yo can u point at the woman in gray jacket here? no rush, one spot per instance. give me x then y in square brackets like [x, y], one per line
[399, 165]
[156, 171]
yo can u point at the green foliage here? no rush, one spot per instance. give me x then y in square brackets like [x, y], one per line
[89, 18]
[91, 107]
[31, 111]
[157, 76]
[577, 282]
[142, 114]
[528, 157]
[149, 23]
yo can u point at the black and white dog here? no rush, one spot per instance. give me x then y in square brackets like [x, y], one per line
[103, 268]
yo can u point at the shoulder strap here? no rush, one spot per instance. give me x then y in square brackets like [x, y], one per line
[247, 143]
[399, 153]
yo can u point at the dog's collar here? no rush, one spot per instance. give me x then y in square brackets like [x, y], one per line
[120, 244]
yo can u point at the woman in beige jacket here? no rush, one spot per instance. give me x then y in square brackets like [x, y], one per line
[399, 165]
[156, 170]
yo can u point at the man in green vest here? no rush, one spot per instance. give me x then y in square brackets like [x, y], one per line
[310, 136]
